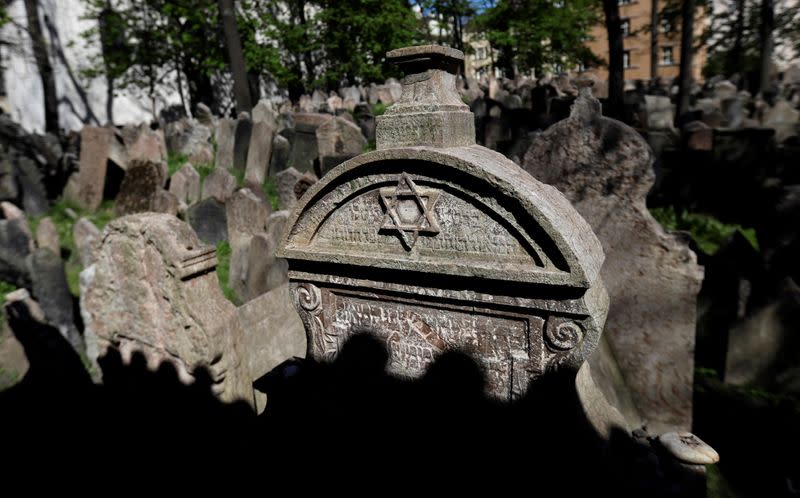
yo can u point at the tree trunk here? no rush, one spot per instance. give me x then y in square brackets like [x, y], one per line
[767, 42]
[46, 74]
[685, 81]
[737, 52]
[241, 88]
[654, 39]
[616, 73]
[109, 100]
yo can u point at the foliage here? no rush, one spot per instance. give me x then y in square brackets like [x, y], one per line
[727, 59]
[223, 271]
[450, 16]
[144, 41]
[708, 232]
[175, 162]
[531, 36]
[325, 43]
[378, 109]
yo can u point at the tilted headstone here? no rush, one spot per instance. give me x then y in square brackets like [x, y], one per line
[139, 188]
[280, 154]
[606, 169]
[185, 185]
[432, 243]
[286, 181]
[259, 152]
[51, 290]
[47, 236]
[337, 141]
[219, 184]
[209, 220]
[304, 146]
[154, 289]
[225, 133]
[85, 187]
[86, 236]
[146, 145]
[246, 215]
[241, 142]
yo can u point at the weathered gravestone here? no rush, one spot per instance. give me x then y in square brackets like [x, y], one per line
[605, 168]
[225, 133]
[432, 243]
[85, 187]
[153, 288]
[139, 187]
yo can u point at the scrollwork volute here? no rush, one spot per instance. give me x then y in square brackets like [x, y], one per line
[563, 335]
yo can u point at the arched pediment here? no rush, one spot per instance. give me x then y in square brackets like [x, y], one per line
[465, 212]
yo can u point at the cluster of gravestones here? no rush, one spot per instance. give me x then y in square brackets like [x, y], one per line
[430, 244]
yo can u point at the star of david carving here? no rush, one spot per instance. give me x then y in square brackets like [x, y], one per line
[409, 210]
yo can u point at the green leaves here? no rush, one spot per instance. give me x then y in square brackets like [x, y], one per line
[539, 33]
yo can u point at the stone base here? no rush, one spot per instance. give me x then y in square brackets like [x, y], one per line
[434, 129]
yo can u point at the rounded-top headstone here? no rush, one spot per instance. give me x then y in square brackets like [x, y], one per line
[433, 244]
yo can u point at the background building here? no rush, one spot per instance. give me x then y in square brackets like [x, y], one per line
[636, 20]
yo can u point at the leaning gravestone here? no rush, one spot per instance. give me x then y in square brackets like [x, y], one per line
[139, 188]
[432, 243]
[85, 187]
[153, 288]
[606, 170]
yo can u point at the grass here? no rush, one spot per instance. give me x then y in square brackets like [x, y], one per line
[64, 224]
[708, 232]
[271, 191]
[378, 109]
[175, 162]
[224, 270]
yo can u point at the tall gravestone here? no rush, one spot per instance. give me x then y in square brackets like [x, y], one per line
[606, 169]
[432, 243]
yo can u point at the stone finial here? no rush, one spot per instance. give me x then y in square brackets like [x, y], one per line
[430, 111]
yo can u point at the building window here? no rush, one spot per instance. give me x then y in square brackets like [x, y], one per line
[582, 67]
[626, 27]
[481, 53]
[624, 2]
[666, 26]
[626, 59]
[559, 4]
[666, 56]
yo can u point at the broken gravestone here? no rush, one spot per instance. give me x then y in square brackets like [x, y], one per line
[154, 289]
[433, 244]
[606, 169]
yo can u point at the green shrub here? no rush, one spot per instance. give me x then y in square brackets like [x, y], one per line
[708, 232]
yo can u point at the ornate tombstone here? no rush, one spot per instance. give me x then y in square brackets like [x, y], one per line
[433, 243]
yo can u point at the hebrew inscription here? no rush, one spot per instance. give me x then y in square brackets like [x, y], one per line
[506, 348]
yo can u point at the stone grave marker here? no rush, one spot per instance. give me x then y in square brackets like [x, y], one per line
[139, 188]
[432, 243]
[225, 133]
[85, 187]
[606, 170]
[153, 288]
